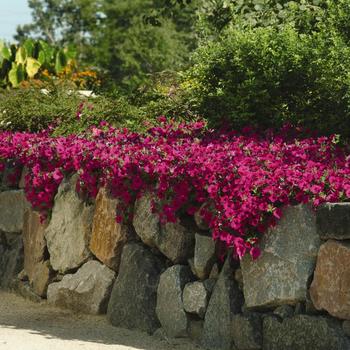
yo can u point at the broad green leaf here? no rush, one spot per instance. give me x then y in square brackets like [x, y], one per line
[21, 55]
[6, 52]
[16, 74]
[42, 57]
[29, 45]
[32, 67]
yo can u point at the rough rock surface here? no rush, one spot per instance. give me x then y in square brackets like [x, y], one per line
[204, 256]
[225, 302]
[333, 221]
[281, 274]
[330, 288]
[69, 231]
[303, 332]
[247, 331]
[195, 298]
[87, 290]
[11, 258]
[108, 237]
[170, 308]
[134, 295]
[13, 204]
[33, 241]
[41, 278]
[174, 240]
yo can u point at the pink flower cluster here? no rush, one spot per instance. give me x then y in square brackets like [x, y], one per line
[239, 180]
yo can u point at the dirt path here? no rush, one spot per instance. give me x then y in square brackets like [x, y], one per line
[25, 325]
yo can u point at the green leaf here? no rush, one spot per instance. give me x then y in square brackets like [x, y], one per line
[61, 61]
[29, 45]
[21, 55]
[6, 52]
[16, 74]
[32, 67]
[42, 57]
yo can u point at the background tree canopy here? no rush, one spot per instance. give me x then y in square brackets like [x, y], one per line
[245, 62]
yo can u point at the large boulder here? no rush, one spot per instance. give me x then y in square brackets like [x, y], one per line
[11, 258]
[330, 288]
[88, 290]
[134, 295]
[226, 301]
[174, 240]
[13, 204]
[69, 232]
[204, 256]
[170, 308]
[303, 332]
[289, 251]
[333, 221]
[108, 237]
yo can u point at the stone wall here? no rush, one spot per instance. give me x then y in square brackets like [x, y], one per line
[166, 279]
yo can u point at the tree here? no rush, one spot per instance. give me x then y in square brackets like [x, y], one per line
[116, 36]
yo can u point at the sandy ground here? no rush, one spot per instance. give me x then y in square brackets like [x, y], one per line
[25, 325]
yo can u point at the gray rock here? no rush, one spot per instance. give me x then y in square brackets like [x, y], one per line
[225, 302]
[11, 258]
[303, 332]
[204, 256]
[195, 330]
[289, 251]
[247, 331]
[13, 204]
[239, 278]
[195, 298]
[88, 290]
[346, 327]
[69, 231]
[170, 308]
[134, 295]
[284, 311]
[174, 240]
[333, 221]
[214, 273]
[209, 284]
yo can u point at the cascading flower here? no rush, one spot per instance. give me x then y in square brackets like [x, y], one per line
[239, 180]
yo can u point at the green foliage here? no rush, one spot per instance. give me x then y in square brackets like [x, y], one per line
[268, 76]
[22, 62]
[35, 109]
[115, 35]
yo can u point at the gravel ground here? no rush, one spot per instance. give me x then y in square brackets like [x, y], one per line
[25, 325]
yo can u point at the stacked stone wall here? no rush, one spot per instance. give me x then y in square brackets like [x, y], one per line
[167, 279]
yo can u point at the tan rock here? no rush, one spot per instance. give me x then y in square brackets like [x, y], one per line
[108, 236]
[33, 241]
[330, 288]
[41, 278]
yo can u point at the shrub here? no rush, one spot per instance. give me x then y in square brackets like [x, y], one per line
[267, 77]
[34, 109]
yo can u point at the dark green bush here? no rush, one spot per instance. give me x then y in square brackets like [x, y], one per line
[32, 109]
[267, 76]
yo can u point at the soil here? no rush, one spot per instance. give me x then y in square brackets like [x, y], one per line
[26, 325]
